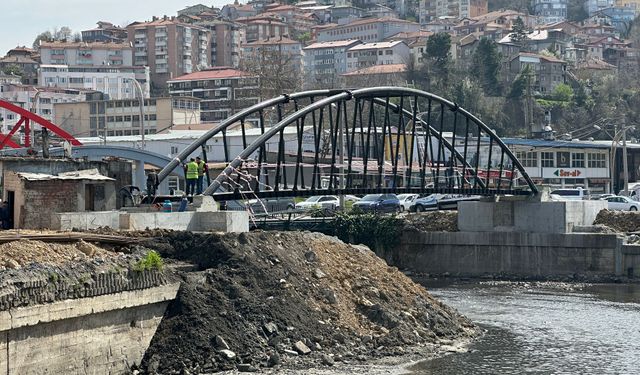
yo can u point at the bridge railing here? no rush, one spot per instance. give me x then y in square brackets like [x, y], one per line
[374, 140]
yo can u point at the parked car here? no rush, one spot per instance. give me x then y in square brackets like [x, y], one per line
[378, 203]
[406, 200]
[576, 194]
[621, 203]
[428, 203]
[351, 198]
[319, 201]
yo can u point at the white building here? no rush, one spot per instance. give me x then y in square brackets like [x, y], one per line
[550, 11]
[323, 62]
[367, 30]
[115, 81]
[383, 53]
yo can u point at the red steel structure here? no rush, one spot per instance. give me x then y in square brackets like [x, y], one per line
[26, 119]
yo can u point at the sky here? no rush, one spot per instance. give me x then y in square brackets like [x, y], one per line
[22, 20]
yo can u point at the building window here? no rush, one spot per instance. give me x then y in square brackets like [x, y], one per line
[577, 160]
[528, 159]
[547, 159]
[174, 150]
[596, 160]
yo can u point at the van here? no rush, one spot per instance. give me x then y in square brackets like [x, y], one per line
[576, 194]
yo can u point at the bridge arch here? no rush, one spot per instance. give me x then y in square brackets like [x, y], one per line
[376, 140]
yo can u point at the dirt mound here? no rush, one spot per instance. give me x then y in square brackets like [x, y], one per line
[620, 221]
[17, 254]
[435, 221]
[265, 298]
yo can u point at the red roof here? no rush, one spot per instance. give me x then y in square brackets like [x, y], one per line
[219, 72]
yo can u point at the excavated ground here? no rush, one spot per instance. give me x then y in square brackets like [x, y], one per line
[619, 221]
[290, 300]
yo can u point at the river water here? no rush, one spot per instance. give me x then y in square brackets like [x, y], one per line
[544, 328]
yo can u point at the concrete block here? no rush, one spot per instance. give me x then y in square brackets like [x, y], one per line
[222, 221]
[205, 203]
[86, 220]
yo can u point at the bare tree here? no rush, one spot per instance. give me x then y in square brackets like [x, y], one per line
[279, 71]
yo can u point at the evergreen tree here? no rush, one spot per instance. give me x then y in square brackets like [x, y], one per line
[486, 63]
[437, 59]
[519, 33]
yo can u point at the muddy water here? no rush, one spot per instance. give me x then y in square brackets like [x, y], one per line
[544, 329]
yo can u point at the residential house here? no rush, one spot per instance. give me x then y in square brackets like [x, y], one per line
[105, 32]
[324, 62]
[234, 11]
[621, 18]
[263, 27]
[593, 6]
[550, 10]
[169, 48]
[430, 10]
[439, 25]
[379, 53]
[223, 91]
[26, 62]
[548, 71]
[347, 13]
[496, 20]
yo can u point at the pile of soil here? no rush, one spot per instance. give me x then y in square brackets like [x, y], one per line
[620, 221]
[18, 254]
[434, 221]
[264, 299]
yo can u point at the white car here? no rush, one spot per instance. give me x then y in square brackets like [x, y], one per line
[319, 201]
[621, 203]
[577, 194]
[406, 200]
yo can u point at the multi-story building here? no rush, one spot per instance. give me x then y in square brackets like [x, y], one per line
[368, 30]
[273, 51]
[226, 38]
[86, 54]
[592, 6]
[548, 72]
[24, 61]
[430, 10]
[378, 75]
[99, 116]
[634, 4]
[324, 62]
[105, 32]
[223, 91]
[263, 27]
[620, 17]
[235, 11]
[384, 53]
[169, 48]
[40, 100]
[550, 10]
[115, 81]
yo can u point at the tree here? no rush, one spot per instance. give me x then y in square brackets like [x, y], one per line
[576, 11]
[44, 36]
[14, 70]
[437, 59]
[62, 34]
[519, 33]
[486, 64]
[276, 69]
[562, 92]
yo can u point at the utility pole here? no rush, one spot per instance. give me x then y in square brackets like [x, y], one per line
[624, 156]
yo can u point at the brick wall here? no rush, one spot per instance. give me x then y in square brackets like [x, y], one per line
[42, 199]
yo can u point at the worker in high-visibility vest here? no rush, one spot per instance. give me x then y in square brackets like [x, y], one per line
[192, 176]
[202, 169]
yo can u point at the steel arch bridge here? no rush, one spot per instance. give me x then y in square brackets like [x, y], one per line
[373, 140]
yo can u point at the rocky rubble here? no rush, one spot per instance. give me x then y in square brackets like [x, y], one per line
[620, 221]
[290, 300]
[434, 221]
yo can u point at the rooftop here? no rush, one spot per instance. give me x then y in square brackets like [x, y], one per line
[272, 41]
[378, 45]
[334, 44]
[541, 57]
[219, 72]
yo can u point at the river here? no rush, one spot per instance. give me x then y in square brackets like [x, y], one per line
[544, 328]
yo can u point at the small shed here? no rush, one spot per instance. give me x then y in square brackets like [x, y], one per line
[34, 198]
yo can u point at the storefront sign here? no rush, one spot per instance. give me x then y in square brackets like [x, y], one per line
[567, 173]
[563, 160]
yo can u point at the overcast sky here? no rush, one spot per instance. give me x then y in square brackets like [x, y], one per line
[22, 20]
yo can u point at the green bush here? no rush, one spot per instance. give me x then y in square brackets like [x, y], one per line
[151, 261]
[376, 231]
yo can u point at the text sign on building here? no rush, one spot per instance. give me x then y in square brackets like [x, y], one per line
[567, 173]
[564, 159]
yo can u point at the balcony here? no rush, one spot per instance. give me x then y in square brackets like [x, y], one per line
[141, 53]
[161, 43]
[161, 70]
[161, 61]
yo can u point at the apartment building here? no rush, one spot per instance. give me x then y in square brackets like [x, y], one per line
[169, 48]
[383, 53]
[115, 81]
[548, 71]
[226, 38]
[273, 51]
[25, 60]
[86, 54]
[368, 30]
[593, 6]
[324, 62]
[105, 32]
[431, 10]
[223, 91]
[550, 10]
[263, 27]
[40, 100]
[99, 116]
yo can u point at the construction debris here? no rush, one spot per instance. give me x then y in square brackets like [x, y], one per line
[620, 221]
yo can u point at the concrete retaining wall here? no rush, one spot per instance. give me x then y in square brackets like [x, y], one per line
[98, 335]
[515, 254]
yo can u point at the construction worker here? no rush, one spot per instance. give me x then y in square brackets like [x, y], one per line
[192, 176]
[202, 169]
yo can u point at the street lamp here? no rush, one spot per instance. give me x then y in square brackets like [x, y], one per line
[141, 95]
